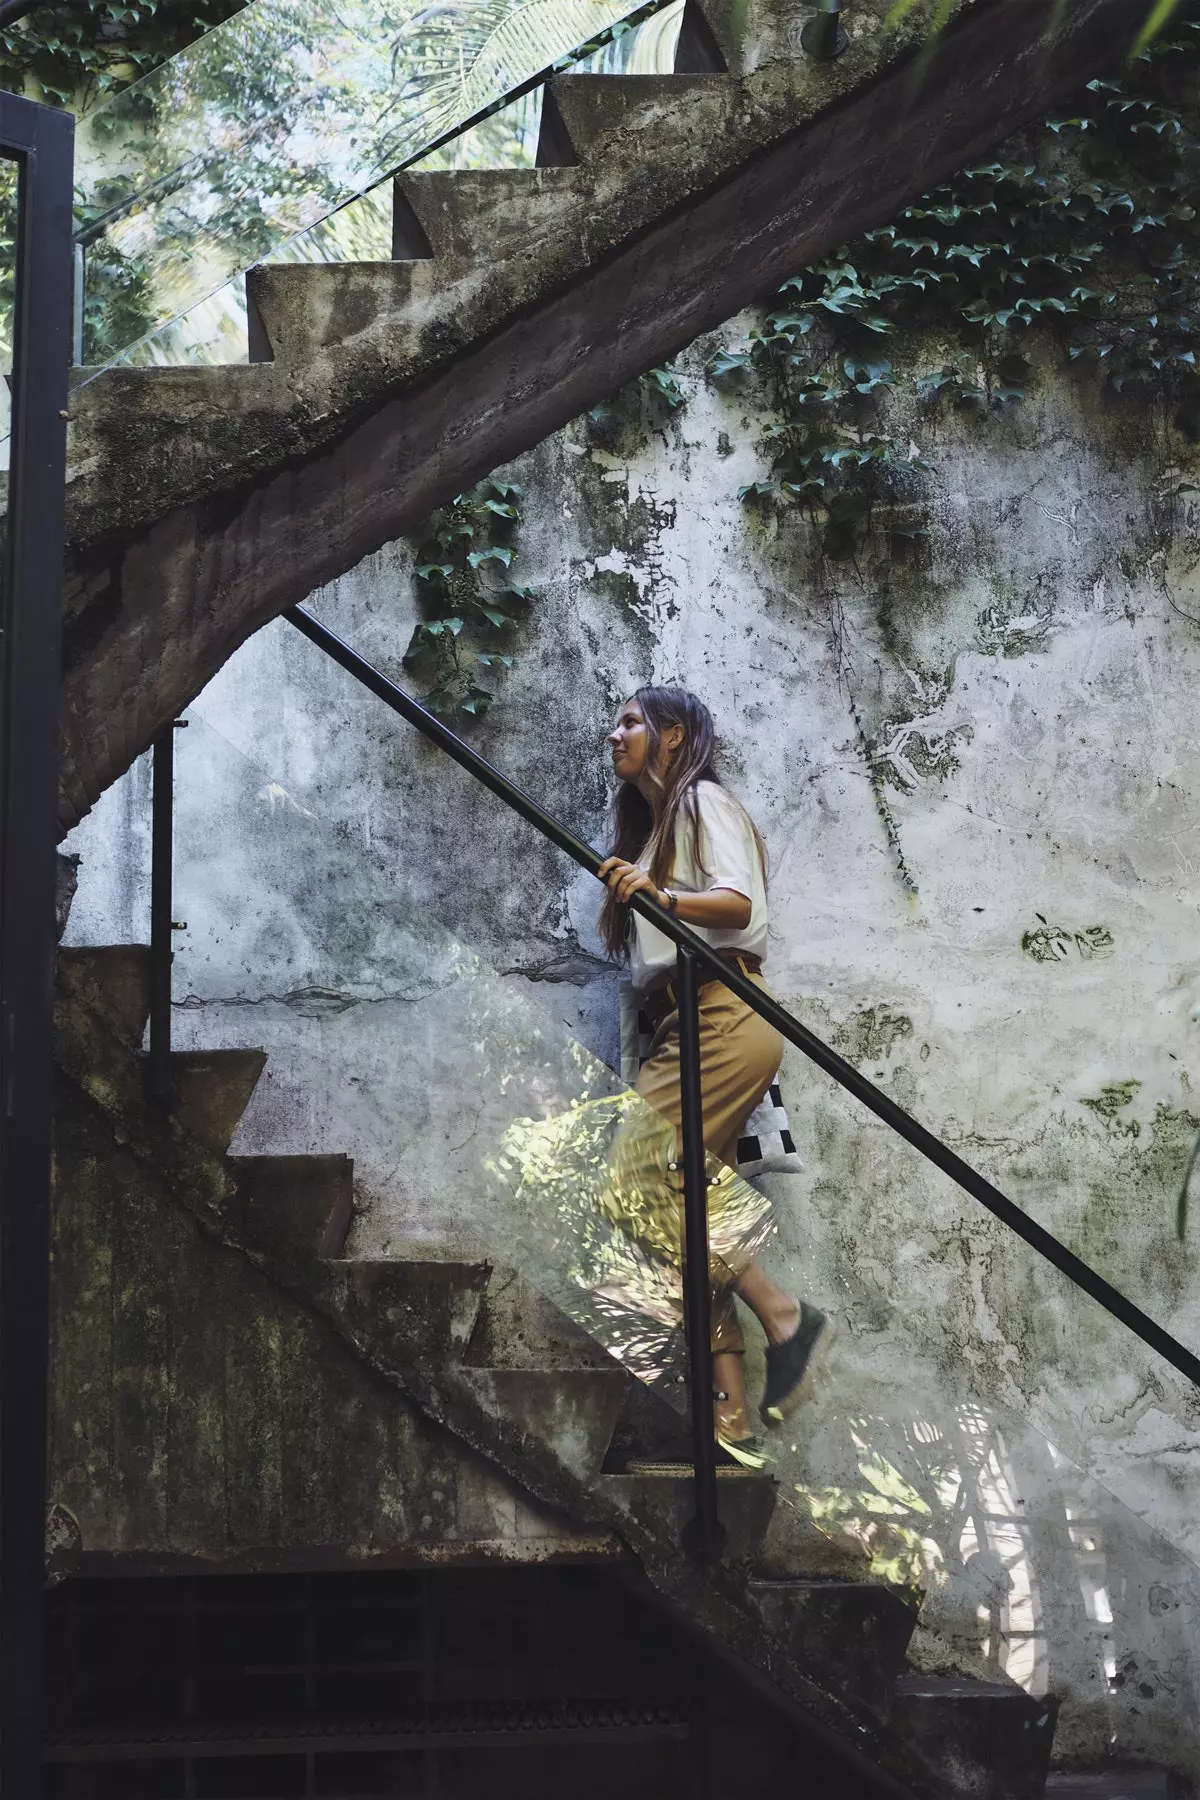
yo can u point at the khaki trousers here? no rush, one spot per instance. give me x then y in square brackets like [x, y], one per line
[739, 1058]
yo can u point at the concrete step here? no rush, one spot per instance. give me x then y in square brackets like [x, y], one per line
[987, 1740]
[572, 1410]
[590, 119]
[410, 1309]
[1108, 1784]
[482, 215]
[856, 1632]
[112, 979]
[214, 1088]
[664, 1503]
[293, 1208]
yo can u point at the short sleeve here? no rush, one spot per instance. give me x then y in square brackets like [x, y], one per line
[726, 841]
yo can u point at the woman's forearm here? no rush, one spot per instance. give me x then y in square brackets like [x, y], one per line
[720, 909]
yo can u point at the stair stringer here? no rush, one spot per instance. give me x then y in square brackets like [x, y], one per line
[644, 1513]
[203, 502]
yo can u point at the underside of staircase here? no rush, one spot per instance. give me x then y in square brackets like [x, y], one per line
[202, 502]
[231, 1392]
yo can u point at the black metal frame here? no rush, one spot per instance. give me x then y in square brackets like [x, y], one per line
[160, 1081]
[41, 141]
[695, 954]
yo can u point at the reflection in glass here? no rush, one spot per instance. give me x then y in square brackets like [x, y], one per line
[478, 1124]
[271, 124]
[442, 1081]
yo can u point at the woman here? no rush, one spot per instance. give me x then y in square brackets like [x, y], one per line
[684, 840]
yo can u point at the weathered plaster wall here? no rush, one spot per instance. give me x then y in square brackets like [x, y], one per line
[1018, 696]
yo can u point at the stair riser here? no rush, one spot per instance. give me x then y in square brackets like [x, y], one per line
[987, 1744]
[857, 1632]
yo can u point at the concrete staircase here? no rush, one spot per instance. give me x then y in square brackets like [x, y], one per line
[231, 1391]
[205, 501]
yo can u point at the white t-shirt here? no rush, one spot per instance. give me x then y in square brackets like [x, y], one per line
[729, 854]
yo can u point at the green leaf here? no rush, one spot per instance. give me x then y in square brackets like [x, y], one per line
[499, 553]
[728, 362]
[495, 615]
[936, 380]
[432, 571]
[494, 658]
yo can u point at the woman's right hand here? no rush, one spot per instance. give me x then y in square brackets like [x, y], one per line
[625, 880]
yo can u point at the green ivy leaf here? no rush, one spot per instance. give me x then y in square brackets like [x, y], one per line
[498, 553]
[728, 362]
[495, 615]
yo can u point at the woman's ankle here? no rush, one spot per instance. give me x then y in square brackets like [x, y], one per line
[783, 1322]
[731, 1403]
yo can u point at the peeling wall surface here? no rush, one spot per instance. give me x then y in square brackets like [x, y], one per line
[973, 760]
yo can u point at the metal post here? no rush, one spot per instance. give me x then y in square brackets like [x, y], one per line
[824, 37]
[41, 141]
[700, 1734]
[162, 850]
[704, 1536]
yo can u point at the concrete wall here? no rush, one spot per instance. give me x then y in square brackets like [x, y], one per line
[975, 768]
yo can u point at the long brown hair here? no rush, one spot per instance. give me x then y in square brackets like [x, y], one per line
[639, 828]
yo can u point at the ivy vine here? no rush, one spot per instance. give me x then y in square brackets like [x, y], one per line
[470, 603]
[74, 55]
[642, 406]
[1083, 227]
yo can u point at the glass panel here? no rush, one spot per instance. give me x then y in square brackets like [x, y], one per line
[982, 1428]
[423, 1063]
[273, 122]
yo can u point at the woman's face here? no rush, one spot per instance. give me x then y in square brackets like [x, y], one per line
[630, 742]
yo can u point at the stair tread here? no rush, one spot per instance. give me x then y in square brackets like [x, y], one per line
[214, 1089]
[958, 1687]
[1109, 1784]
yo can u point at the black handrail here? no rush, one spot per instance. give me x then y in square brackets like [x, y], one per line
[826, 1059]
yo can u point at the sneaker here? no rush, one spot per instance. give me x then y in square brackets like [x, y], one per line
[792, 1367]
[751, 1452]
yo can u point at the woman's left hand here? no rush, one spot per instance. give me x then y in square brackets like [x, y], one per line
[626, 879]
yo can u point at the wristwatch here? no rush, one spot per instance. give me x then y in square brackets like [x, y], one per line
[672, 899]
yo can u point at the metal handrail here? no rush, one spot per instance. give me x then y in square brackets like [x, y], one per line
[826, 1059]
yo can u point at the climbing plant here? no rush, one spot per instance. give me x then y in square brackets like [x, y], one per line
[1084, 227]
[470, 602]
[75, 54]
[642, 406]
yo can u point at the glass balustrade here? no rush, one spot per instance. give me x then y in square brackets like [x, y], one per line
[270, 137]
[982, 1429]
